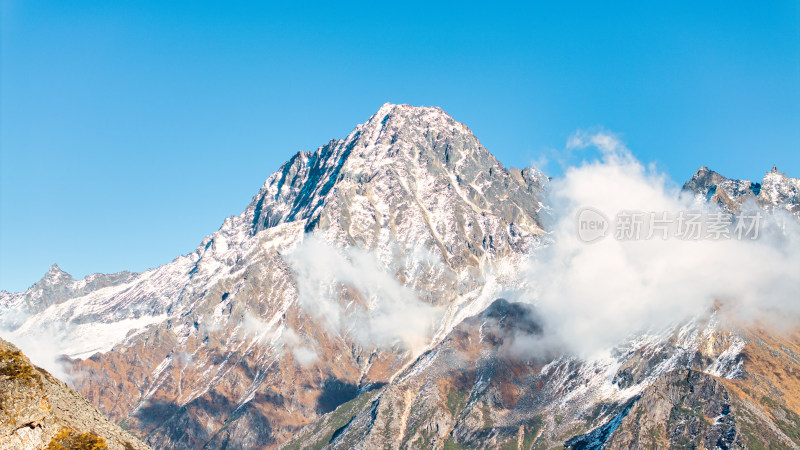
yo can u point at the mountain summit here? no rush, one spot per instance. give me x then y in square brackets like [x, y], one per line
[401, 159]
[210, 348]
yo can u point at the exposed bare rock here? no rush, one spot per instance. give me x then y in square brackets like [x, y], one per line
[687, 408]
[776, 190]
[489, 383]
[683, 408]
[37, 410]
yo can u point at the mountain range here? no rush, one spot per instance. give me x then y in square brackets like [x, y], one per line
[358, 302]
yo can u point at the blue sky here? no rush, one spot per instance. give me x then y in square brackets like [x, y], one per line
[130, 130]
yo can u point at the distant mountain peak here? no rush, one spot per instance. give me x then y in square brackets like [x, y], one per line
[774, 176]
[703, 169]
[776, 190]
[56, 274]
[703, 180]
[397, 109]
[55, 269]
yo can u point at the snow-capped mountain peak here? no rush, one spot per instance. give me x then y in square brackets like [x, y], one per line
[776, 190]
[55, 273]
[411, 190]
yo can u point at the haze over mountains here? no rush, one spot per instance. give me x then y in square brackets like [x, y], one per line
[400, 287]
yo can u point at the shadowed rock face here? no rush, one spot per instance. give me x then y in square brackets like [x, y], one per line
[470, 391]
[37, 409]
[682, 408]
[457, 392]
[686, 408]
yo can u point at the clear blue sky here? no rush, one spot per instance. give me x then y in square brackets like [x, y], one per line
[130, 130]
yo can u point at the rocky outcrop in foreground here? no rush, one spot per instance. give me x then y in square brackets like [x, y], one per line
[39, 411]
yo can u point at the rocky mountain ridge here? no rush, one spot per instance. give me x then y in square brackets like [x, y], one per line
[775, 191]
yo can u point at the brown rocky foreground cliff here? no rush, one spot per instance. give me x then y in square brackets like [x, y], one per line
[38, 411]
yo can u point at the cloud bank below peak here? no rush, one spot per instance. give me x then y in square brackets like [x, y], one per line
[593, 296]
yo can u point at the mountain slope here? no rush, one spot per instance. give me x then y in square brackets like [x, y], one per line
[758, 408]
[703, 382]
[38, 410]
[224, 346]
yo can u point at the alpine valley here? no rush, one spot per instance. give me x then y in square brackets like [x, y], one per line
[359, 301]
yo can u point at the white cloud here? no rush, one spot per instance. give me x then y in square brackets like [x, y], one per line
[305, 355]
[608, 143]
[282, 337]
[44, 348]
[260, 329]
[594, 296]
[354, 293]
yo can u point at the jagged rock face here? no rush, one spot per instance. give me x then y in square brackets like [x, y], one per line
[686, 408]
[776, 190]
[492, 382]
[56, 286]
[750, 400]
[683, 408]
[758, 408]
[409, 176]
[214, 348]
[36, 408]
[780, 191]
[460, 391]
